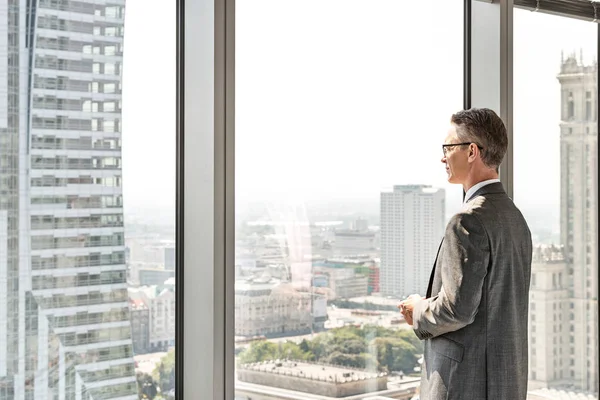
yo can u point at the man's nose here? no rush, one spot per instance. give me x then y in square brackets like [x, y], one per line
[443, 160]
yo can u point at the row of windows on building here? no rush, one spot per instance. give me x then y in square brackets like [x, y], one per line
[76, 202]
[66, 123]
[93, 297]
[82, 279]
[46, 242]
[106, 85]
[89, 318]
[50, 181]
[90, 260]
[96, 46]
[91, 221]
[64, 162]
[48, 142]
[91, 8]
[85, 105]
[84, 66]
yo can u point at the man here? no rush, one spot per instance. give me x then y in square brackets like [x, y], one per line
[474, 317]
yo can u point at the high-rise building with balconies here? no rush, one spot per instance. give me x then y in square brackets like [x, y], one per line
[64, 316]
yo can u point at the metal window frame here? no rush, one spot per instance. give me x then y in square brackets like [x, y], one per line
[205, 200]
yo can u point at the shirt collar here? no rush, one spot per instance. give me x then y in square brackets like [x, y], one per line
[478, 186]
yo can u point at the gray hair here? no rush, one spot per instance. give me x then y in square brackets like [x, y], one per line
[483, 127]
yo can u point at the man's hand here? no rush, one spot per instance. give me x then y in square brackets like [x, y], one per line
[406, 307]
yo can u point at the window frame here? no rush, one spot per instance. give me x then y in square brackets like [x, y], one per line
[205, 171]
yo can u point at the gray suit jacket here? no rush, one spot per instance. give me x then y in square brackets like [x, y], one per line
[475, 325]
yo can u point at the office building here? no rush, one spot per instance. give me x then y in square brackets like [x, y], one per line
[64, 316]
[412, 226]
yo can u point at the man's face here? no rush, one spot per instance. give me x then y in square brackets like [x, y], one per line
[456, 157]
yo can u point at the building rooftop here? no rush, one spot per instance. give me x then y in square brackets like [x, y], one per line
[319, 372]
[548, 254]
[559, 394]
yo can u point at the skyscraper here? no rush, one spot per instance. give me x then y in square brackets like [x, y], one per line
[579, 213]
[549, 329]
[412, 226]
[64, 317]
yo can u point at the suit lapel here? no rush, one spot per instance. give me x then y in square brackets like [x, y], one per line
[430, 287]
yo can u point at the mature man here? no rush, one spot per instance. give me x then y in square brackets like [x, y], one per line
[474, 317]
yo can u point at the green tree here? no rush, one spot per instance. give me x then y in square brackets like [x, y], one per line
[146, 386]
[369, 347]
[164, 373]
[259, 351]
[304, 346]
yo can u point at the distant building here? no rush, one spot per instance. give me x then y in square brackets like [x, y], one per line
[412, 226]
[361, 225]
[317, 379]
[579, 215]
[549, 328]
[170, 258]
[140, 326]
[556, 394]
[154, 276]
[354, 242]
[344, 282]
[160, 301]
[270, 307]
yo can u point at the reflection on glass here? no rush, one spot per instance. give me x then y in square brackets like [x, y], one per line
[341, 198]
[556, 186]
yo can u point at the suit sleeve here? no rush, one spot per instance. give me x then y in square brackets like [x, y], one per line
[463, 269]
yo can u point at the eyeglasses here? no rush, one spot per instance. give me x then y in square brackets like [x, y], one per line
[445, 146]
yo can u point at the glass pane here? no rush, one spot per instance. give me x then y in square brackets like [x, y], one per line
[149, 139]
[341, 198]
[79, 228]
[556, 187]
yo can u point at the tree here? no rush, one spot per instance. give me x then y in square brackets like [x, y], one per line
[164, 373]
[372, 347]
[304, 346]
[259, 351]
[146, 386]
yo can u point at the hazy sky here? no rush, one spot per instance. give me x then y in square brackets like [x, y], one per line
[339, 99]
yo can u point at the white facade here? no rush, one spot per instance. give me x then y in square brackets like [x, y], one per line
[268, 307]
[549, 328]
[67, 331]
[412, 226]
[161, 303]
[353, 242]
[579, 214]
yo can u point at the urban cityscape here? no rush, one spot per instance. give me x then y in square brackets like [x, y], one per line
[87, 285]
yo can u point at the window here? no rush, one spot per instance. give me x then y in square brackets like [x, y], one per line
[109, 50]
[109, 88]
[571, 106]
[306, 248]
[588, 106]
[554, 100]
[109, 68]
[85, 311]
[109, 106]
